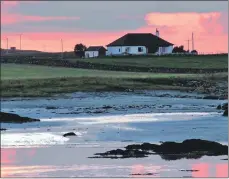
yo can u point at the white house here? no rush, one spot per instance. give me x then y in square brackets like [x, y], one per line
[95, 51]
[139, 43]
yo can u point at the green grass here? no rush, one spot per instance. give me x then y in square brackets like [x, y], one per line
[33, 81]
[15, 71]
[199, 62]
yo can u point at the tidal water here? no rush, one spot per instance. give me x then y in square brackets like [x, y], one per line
[103, 121]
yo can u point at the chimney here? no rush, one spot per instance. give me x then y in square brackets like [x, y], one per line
[157, 33]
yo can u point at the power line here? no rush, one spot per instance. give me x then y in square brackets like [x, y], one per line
[188, 43]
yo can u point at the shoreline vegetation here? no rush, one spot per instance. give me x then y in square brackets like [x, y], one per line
[43, 77]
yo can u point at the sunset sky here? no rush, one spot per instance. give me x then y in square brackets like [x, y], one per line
[43, 23]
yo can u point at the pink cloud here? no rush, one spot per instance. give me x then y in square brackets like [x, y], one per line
[9, 3]
[208, 28]
[209, 32]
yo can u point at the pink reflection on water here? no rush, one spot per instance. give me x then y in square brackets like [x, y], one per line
[10, 157]
[141, 171]
[204, 170]
[222, 170]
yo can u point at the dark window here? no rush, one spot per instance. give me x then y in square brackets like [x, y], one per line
[140, 49]
[119, 49]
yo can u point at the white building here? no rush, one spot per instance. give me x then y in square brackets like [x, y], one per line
[95, 51]
[139, 44]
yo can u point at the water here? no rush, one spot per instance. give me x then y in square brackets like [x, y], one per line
[30, 149]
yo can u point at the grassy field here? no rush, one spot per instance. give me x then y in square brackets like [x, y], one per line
[15, 71]
[199, 62]
[33, 80]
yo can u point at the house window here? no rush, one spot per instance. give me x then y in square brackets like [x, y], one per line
[140, 49]
[119, 49]
[127, 49]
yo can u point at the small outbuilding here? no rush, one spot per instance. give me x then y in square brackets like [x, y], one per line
[95, 51]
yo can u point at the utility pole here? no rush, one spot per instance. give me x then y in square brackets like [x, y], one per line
[20, 41]
[44, 48]
[188, 44]
[62, 49]
[192, 42]
[7, 47]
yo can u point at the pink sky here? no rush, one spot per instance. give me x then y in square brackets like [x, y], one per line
[210, 30]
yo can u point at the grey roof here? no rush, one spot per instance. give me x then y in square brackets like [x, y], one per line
[152, 42]
[94, 48]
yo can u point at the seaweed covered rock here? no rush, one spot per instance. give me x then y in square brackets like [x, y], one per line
[69, 134]
[14, 118]
[189, 149]
[225, 113]
[223, 107]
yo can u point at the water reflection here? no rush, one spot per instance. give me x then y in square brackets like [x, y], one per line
[37, 162]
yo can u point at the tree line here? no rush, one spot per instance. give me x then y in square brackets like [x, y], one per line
[180, 49]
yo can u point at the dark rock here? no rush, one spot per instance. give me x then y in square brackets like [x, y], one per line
[225, 113]
[225, 159]
[192, 145]
[143, 174]
[3, 129]
[189, 149]
[69, 134]
[123, 153]
[51, 107]
[225, 106]
[14, 118]
[97, 112]
[107, 107]
[219, 107]
[211, 97]
[189, 170]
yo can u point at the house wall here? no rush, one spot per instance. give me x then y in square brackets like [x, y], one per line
[91, 54]
[165, 50]
[122, 49]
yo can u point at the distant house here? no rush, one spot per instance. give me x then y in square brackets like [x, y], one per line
[95, 51]
[139, 43]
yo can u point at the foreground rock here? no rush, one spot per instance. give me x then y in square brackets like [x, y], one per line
[14, 118]
[69, 134]
[225, 113]
[223, 107]
[189, 149]
[211, 97]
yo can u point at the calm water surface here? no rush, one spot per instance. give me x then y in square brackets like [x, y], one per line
[104, 121]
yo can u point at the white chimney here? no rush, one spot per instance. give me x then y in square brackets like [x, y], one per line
[157, 33]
